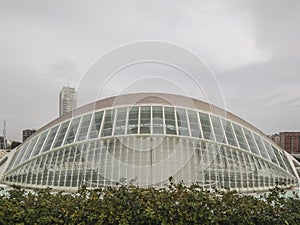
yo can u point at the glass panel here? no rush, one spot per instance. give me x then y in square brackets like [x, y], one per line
[120, 121]
[261, 147]
[157, 120]
[218, 129]
[145, 120]
[133, 117]
[194, 124]
[271, 152]
[84, 127]
[40, 143]
[20, 155]
[239, 135]
[251, 142]
[29, 149]
[229, 133]
[170, 120]
[96, 125]
[183, 128]
[108, 123]
[61, 134]
[281, 163]
[206, 126]
[287, 163]
[72, 131]
[50, 139]
[13, 160]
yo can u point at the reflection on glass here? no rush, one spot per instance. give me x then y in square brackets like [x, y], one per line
[170, 120]
[229, 133]
[133, 120]
[50, 139]
[72, 131]
[84, 127]
[108, 123]
[145, 124]
[120, 121]
[251, 142]
[261, 147]
[61, 134]
[96, 125]
[206, 126]
[157, 120]
[240, 137]
[218, 129]
[194, 124]
[182, 123]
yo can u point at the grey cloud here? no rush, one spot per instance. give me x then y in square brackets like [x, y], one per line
[253, 47]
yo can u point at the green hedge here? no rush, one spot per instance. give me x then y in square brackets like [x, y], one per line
[176, 204]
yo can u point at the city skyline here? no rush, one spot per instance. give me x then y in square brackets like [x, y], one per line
[251, 46]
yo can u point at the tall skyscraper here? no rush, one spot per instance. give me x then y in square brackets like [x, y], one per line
[67, 100]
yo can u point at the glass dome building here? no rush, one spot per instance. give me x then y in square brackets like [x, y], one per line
[143, 139]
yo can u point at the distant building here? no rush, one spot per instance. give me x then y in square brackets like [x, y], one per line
[290, 141]
[275, 138]
[2, 145]
[67, 100]
[27, 133]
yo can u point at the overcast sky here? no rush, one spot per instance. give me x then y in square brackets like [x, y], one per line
[253, 47]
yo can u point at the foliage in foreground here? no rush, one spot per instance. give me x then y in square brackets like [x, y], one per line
[176, 204]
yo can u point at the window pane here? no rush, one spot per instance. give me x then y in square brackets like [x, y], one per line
[29, 149]
[50, 139]
[182, 122]
[261, 147]
[281, 163]
[287, 163]
[145, 120]
[72, 131]
[271, 152]
[120, 121]
[229, 133]
[157, 120]
[108, 123]
[40, 143]
[96, 125]
[61, 134]
[240, 137]
[251, 142]
[170, 120]
[84, 127]
[20, 155]
[218, 129]
[206, 126]
[194, 124]
[132, 127]
[13, 160]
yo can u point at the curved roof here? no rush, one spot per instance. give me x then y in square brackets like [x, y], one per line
[153, 98]
[82, 135]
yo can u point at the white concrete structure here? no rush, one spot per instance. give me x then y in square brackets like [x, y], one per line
[143, 139]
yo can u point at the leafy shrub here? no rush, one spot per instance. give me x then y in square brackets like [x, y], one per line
[176, 204]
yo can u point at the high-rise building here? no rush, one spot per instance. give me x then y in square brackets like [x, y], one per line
[290, 141]
[67, 100]
[27, 133]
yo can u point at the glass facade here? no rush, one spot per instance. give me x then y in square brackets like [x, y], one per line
[146, 144]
